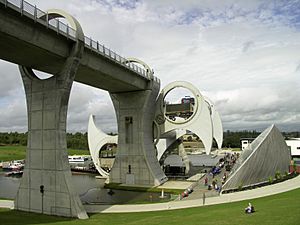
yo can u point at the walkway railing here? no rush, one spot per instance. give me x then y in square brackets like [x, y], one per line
[58, 26]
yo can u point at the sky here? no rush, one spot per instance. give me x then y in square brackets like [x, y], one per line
[243, 55]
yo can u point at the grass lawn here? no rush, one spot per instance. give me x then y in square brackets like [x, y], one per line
[281, 209]
[15, 152]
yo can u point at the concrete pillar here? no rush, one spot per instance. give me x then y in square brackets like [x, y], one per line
[136, 162]
[46, 157]
[182, 153]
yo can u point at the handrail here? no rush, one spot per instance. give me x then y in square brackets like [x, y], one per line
[31, 11]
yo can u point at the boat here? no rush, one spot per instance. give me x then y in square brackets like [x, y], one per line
[14, 173]
[79, 159]
[13, 166]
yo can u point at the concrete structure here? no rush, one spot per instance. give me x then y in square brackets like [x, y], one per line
[199, 122]
[217, 131]
[168, 139]
[216, 123]
[46, 185]
[136, 162]
[28, 31]
[266, 155]
[294, 145]
[204, 114]
[37, 40]
[96, 140]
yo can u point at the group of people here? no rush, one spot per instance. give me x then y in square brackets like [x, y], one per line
[213, 185]
[186, 192]
[224, 178]
[227, 160]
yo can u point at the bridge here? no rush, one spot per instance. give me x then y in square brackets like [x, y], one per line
[38, 40]
[30, 37]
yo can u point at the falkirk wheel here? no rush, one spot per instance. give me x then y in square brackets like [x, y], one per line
[205, 122]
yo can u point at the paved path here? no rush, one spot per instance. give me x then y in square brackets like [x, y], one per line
[6, 204]
[232, 197]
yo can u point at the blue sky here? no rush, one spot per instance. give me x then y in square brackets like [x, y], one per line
[243, 55]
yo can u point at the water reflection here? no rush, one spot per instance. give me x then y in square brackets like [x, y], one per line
[90, 190]
[8, 186]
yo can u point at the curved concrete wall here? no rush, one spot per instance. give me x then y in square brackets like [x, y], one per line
[267, 154]
[96, 140]
[199, 123]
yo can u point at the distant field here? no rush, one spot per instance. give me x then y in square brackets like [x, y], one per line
[281, 209]
[15, 152]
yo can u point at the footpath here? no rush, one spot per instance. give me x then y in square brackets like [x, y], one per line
[285, 186]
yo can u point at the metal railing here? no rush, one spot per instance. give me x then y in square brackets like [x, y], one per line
[55, 24]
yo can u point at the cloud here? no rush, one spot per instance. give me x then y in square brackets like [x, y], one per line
[247, 45]
[244, 55]
[84, 101]
[258, 107]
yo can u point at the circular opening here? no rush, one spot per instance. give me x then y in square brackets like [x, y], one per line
[179, 105]
[42, 75]
[107, 156]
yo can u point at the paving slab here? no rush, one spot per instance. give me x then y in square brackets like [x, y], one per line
[176, 185]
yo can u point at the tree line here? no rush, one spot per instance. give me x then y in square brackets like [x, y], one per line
[78, 140]
[74, 141]
[232, 139]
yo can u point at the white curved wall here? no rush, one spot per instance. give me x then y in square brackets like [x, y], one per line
[96, 140]
[216, 123]
[199, 123]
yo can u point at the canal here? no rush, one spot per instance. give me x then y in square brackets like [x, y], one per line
[90, 189]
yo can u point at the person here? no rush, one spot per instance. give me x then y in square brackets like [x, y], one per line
[249, 208]
[205, 181]
[216, 187]
[224, 178]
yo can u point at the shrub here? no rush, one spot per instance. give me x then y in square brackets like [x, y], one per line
[270, 179]
[240, 187]
[286, 173]
[278, 175]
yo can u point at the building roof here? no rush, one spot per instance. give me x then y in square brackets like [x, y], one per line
[174, 161]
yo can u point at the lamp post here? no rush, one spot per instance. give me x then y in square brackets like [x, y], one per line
[42, 192]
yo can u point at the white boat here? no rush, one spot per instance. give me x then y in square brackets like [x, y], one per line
[14, 166]
[79, 159]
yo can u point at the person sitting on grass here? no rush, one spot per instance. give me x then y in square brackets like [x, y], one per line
[249, 208]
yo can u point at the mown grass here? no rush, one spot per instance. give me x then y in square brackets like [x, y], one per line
[281, 209]
[16, 152]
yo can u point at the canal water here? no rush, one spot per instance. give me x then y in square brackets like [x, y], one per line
[90, 190]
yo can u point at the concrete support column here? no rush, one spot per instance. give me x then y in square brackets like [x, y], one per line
[182, 153]
[136, 162]
[46, 157]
